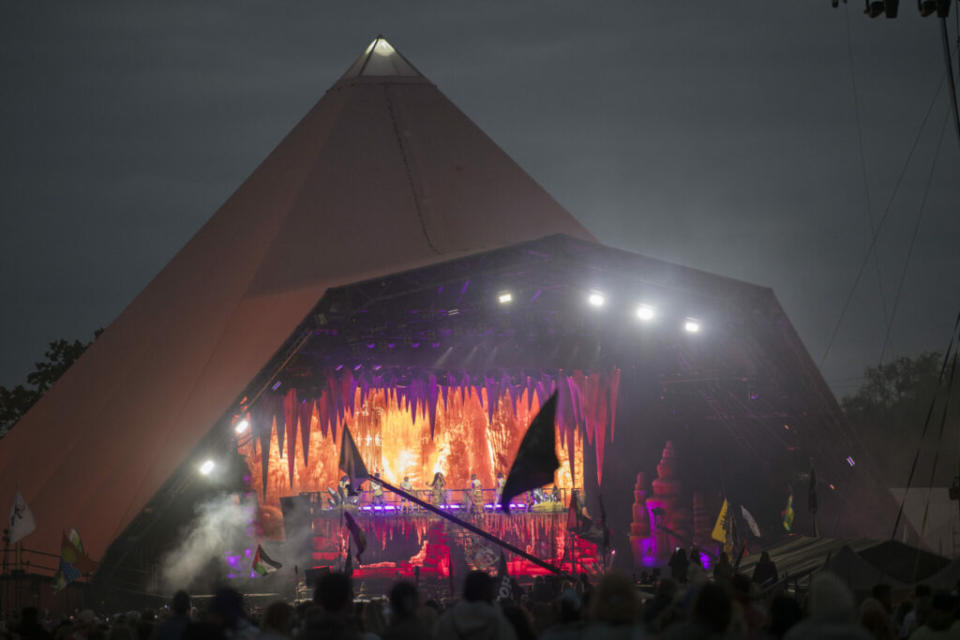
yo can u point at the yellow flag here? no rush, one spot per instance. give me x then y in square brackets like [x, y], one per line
[720, 528]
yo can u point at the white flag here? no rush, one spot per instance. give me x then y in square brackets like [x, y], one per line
[21, 522]
[751, 522]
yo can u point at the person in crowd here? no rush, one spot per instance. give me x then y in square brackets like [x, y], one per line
[333, 618]
[678, 565]
[405, 623]
[614, 608]
[475, 616]
[875, 618]
[696, 574]
[520, 619]
[941, 623]
[883, 594]
[785, 612]
[226, 611]
[30, 627]
[723, 570]
[569, 617]
[765, 572]
[371, 619]
[476, 495]
[172, 628]
[917, 616]
[831, 612]
[501, 483]
[710, 615]
[277, 621]
[659, 610]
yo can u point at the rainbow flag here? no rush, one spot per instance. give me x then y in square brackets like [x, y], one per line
[789, 514]
[74, 562]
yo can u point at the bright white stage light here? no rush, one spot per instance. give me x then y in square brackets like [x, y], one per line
[241, 427]
[596, 299]
[505, 297]
[645, 312]
[691, 326]
[207, 467]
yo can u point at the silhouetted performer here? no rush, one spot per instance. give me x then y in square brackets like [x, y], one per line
[678, 565]
[765, 573]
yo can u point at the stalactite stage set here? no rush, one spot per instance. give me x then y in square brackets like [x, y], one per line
[409, 426]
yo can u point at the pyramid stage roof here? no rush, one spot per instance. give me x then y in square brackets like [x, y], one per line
[385, 193]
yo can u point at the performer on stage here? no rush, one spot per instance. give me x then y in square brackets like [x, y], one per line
[501, 482]
[438, 484]
[377, 490]
[407, 486]
[475, 495]
[344, 490]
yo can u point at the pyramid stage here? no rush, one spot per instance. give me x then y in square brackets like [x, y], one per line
[389, 269]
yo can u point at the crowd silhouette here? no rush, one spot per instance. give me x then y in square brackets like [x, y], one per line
[724, 605]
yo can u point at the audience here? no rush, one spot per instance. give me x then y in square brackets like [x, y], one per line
[615, 608]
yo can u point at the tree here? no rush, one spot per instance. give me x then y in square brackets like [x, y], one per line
[60, 355]
[888, 410]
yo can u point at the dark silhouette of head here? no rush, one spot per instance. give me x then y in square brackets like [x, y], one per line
[181, 603]
[713, 608]
[226, 608]
[334, 592]
[478, 587]
[784, 613]
[404, 599]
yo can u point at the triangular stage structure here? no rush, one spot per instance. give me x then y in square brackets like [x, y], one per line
[386, 191]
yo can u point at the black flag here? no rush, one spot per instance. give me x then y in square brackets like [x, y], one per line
[536, 459]
[359, 537]
[504, 585]
[350, 461]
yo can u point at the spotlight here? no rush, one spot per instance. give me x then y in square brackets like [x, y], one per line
[241, 426]
[596, 299]
[505, 297]
[207, 467]
[691, 326]
[645, 312]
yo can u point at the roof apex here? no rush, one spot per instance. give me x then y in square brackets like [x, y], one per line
[380, 59]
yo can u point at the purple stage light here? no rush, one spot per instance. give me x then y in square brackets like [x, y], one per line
[536, 295]
[392, 345]
[276, 385]
[231, 576]
[371, 345]
[339, 366]
[357, 368]
[466, 284]
[415, 345]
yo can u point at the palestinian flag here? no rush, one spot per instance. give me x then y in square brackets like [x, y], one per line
[264, 564]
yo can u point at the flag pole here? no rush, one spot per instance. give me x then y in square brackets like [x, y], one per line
[473, 529]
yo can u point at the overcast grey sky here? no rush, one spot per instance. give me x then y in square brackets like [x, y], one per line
[719, 135]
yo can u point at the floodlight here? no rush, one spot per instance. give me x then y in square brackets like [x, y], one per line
[241, 426]
[505, 297]
[596, 299]
[207, 467]
[691, 326]
[645, 312]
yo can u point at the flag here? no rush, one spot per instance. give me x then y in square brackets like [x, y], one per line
[264, 564]
[348, 564]
[536, 459]
[751, 521]
[720, 528]
[21, 519]
[350, 461]
[504, 586]
[812, 494]
[359, 537]
[73, 560]
[788, 513]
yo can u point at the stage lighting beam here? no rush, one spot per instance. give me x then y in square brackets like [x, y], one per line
[646, 313]
[596, 299]
[505, 297]
[690, 325]
[207, 467]
[241, 427]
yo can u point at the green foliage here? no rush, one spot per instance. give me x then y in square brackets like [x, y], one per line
[15, 402]
[888, 410]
